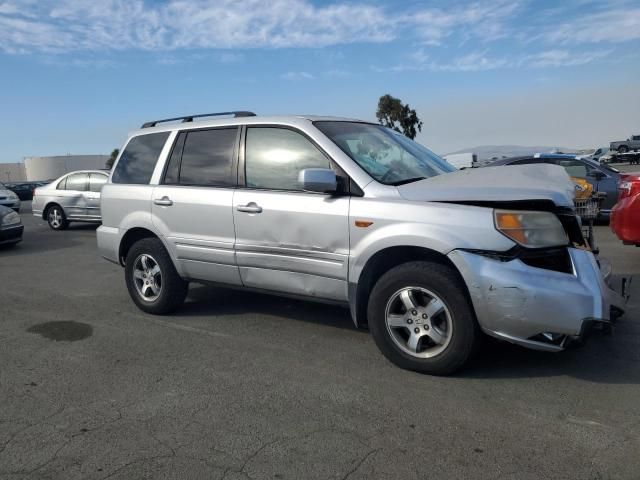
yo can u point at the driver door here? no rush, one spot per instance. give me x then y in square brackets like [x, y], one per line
[288, 240]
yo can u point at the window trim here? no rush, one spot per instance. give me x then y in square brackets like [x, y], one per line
[344, 181]
[234, 158]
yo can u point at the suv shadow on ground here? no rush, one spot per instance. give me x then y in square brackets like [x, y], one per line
[206, 300]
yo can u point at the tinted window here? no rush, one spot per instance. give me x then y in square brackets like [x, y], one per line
[275, 156]
[62, 184]
[77, 182]
[207, 157]
[173, 168]
[139, 158]
[573, 167]
[96, 181]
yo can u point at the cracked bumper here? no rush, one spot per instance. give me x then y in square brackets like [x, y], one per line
[515, 302]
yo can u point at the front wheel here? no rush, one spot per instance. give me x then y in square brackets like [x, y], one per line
[56, 218]
[623, 149]
[153, 282]
[421, 319]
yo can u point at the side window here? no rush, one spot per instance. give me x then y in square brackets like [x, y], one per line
[207, 157]
[574, 168]
[62, 184]
[77, 182]
[275, 156]
[96, 181]
[139, 158]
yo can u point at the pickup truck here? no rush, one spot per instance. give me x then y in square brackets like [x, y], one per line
[623, 146]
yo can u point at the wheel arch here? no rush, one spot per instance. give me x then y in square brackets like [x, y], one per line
[46, 208]
[380, 263]
[132, 236]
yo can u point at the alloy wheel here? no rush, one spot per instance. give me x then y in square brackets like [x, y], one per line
[147, 277]
[419, 322]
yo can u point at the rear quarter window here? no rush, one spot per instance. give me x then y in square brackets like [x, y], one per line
[139, 158]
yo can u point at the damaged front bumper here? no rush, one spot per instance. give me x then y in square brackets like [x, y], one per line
[535, 307]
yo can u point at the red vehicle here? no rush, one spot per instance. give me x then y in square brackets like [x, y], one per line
[625, 215]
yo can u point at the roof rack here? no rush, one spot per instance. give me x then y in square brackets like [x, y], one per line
[189, 118]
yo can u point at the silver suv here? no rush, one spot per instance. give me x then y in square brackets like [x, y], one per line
[351, 212]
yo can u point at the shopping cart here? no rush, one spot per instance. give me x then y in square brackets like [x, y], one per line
[588, 210]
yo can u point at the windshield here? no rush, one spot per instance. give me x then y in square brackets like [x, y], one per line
[602, 166]
[386, 155]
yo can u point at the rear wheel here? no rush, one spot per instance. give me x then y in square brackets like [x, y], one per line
[153, 282]
[56, 218]
[421, 319]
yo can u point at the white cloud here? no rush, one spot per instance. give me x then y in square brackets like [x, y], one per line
[480, 61]
[72, 26]
[297, 76]
[562, 58]
[610, 26]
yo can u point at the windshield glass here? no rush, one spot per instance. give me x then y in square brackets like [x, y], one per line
[602, 166]
[386, 155]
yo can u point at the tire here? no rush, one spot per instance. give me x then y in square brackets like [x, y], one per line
[455, 327]
[56, 218]
[623, 149]
[152, 280]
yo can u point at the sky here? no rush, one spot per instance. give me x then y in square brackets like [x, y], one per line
[76, 76]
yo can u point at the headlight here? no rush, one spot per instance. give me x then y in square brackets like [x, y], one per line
[12, 195]
[531, 229]
[10, 219]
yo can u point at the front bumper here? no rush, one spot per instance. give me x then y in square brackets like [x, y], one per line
[519, 303]
[11, 234]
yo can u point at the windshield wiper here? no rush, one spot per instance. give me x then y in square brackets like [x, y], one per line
[407, 180]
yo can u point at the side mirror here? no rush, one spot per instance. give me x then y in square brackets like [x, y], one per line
[320, 180]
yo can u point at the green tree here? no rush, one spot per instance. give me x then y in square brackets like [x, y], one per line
[394, 114]
[112, 158]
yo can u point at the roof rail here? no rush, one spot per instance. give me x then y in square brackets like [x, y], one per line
[189, 118]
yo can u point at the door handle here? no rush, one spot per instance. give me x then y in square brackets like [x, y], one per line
[249, 208]
[163, 202]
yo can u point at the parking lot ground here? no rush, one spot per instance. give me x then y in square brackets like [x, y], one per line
[245, 386]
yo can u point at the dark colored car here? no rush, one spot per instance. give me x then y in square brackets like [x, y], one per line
[602, 177]
[11, 227]
[23, 190]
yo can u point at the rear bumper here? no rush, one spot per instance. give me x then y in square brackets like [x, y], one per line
[535, 307]
[109, 243]
[11, 234]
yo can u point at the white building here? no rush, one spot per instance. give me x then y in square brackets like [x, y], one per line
[12, 172]
[49, 168]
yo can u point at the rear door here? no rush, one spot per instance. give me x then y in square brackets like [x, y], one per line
[289, 240]
[92, 195]
[72, 197]
[192, 205]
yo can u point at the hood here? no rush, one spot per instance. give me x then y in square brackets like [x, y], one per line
[495, 184]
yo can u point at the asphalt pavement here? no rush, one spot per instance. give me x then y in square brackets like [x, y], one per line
[245, 386]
